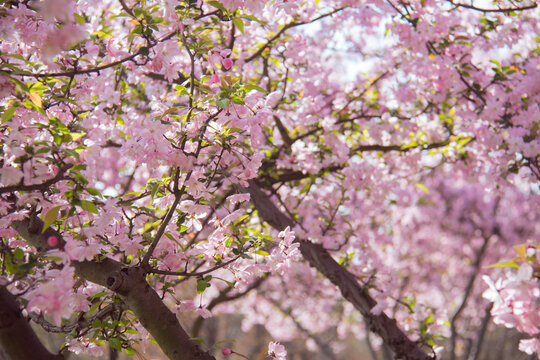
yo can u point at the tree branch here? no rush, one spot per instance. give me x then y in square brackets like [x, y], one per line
[466, 295]
[285, 28]
[319, 258]
[90, 70]
[130, 283]
[221, 298]
[299, 175]
[324, 347]
[501, 10]
[18, 340]
[81, 324]
[43, 186]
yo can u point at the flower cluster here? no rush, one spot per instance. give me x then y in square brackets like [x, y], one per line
[516, 300]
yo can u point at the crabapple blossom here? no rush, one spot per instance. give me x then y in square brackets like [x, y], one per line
[52, 241]
[277, 351]
[516, 301]
[316, 167]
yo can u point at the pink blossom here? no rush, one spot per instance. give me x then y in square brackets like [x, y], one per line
[55, 297]
[277, 351]
[193, 221]
[61, 38]
[10, 176]
[225, 52]
[227, 63]
[530, 346]
[185, 305]
[273, 98]
[203, 312]
[226, 351]
[237, 198]
[52, 241]
[287, 237]
[50, 10]
[81, 346]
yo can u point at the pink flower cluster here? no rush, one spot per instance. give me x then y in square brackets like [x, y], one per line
[516, 301]
[277, 351]
[55, 297]
[216, 57]
[285, 254]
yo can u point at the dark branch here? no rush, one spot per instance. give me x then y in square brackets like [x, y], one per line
[500, 10]
[285, 28]
[318, 257]
[299, 175]
[79, 325]
[221, 298]
[198, 273]
[18, 341]
[131, 285]
[44, 186]
[90, 69]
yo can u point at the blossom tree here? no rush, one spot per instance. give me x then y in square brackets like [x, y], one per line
[309, 164]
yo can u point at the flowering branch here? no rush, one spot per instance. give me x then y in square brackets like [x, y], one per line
[17, 339]
[318, 257]
[81, 324]
[501, 10]
[284, 29]
[131, 285]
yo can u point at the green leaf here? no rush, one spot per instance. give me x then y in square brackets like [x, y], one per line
[223, 102]
[80, 19]
[495, 62]
[423, 188]
[115, 344]
[133, 193]
[50, 218]
[240, 219]
[89, 206]
[95, 306]
[239, 24]
[154, 190]
[238, 100]
[250, 87]
[99, 294]
[217, 5]
[198, 339]
[172, 109]
[94, 192]
[18, 253]
[261, 252]
[411, 145]
[8, 114]
[231, 284]
[201, 286]
[96, 324]
[76, 136]
[144, 51]
[504, 264]
[52, 258]
[253, 18]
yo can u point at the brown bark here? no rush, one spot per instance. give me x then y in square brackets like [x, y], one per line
[131, 285]
[18, 341]
[319, 258]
